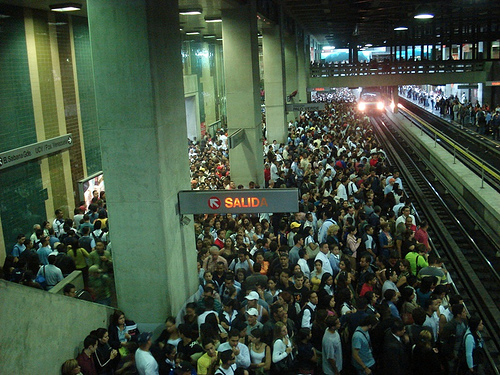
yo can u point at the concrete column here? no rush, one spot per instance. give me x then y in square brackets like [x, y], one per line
[274, 84]
[395, 98]
[302, 69]
[136, 53]
[241, 68]
[291, 71]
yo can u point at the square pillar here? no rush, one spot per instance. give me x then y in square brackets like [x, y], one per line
[136, 53]
[274, 84]
[241, 68]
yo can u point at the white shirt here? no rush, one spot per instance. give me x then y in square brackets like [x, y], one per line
[242, 359]
[342, 192]
[145, 363]
[433, 323]
[402, 219]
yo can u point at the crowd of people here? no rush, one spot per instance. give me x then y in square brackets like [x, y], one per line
[482, 118]
[347, 285]
[55, 249]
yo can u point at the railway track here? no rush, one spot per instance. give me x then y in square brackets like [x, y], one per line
[482, 148]
[456, 238]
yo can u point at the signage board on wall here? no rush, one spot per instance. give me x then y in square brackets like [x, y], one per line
[243, 201]
[34, 151]
[305, 107]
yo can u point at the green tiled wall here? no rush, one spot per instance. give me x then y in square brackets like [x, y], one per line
[85, 76]
[21, 192]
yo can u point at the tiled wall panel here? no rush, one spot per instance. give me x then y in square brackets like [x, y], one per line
[21, 193]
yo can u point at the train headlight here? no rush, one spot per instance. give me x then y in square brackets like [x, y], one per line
[361, 106]
[380, 106]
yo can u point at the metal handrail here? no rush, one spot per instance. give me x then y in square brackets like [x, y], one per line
[455, 146]
[397, 67]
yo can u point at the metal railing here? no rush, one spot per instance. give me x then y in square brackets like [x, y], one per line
[396, 67]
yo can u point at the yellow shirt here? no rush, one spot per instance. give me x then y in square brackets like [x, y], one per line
[79, 258]
[204, 363]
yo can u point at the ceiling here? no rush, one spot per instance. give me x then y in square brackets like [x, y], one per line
[341, 23]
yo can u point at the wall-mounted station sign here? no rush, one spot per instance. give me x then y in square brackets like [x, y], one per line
[34, 150]
[244, 201]
[305, 107]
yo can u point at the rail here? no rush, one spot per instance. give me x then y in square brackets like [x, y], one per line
[397, 67]
[479, 296]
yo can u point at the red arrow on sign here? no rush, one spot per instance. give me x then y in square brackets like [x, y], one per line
[214, 203]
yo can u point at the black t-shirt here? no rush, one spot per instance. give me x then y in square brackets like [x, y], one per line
[298, 294]
[186, 351]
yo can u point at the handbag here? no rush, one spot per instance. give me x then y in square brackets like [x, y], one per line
[286, 364]
[41, 280]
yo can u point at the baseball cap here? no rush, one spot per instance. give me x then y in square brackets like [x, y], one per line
[252, 311]
[252, 296]
[294, 225]
[144, 337]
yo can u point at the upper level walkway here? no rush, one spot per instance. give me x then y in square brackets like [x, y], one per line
[399, 73]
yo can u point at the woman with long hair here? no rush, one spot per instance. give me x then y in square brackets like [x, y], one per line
[425, 358]
[474, 343]
[106, 357]
[283, 357]
[228, 252]
[326, 287]
[260, 353]
[121, 331]
[317, 274]
[170, 335]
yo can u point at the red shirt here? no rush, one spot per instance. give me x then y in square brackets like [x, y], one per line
[87, 364]
[365, 288]
[423, 237]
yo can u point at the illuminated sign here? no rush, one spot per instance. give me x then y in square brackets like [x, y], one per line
[242, 201]
[305, 107]
[492, 83]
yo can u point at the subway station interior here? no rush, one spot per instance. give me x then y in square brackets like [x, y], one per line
[108, 95]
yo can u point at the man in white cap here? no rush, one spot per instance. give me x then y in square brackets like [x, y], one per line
[253, 302]
[144, 360]
[252, 321]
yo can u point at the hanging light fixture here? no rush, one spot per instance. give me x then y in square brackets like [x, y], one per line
[424, 12]
[65, 7]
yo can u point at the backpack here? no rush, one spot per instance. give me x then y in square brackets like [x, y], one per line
[99, 237]
[85, 242]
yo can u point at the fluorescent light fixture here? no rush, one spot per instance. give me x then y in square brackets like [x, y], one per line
[192, 33]
[368, 45]
[2, 16]
[213, 19]
[259, 36]
[57, 23]
[424, 16]
[190, 12]
[400, 28]
[209, 36]
[219, 39]
[66, 7]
